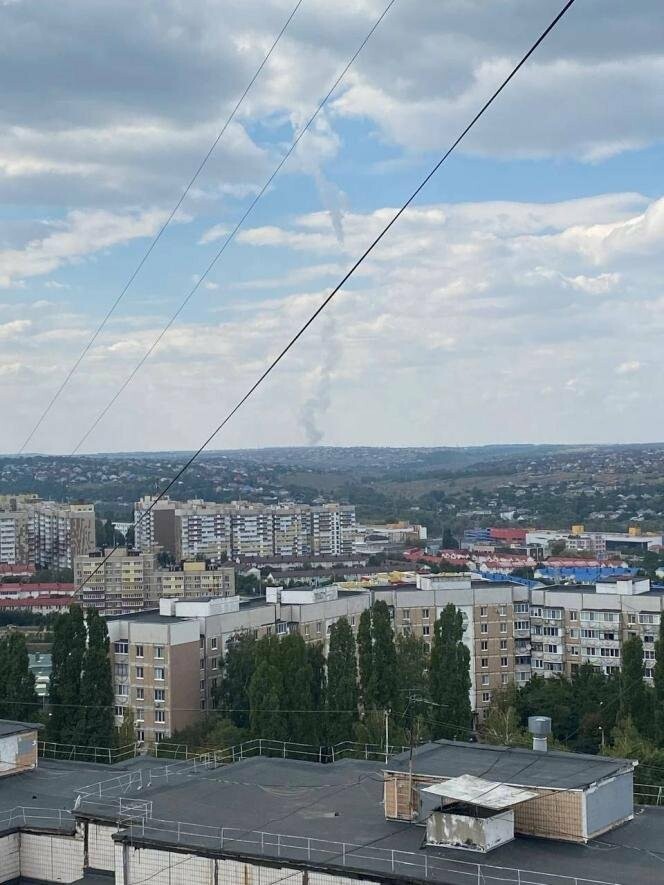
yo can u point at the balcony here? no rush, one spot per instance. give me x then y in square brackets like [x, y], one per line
[522, 634]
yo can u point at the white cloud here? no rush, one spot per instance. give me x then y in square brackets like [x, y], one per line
[81, 234]
[474, 323]
[212, 234]
[13, 329]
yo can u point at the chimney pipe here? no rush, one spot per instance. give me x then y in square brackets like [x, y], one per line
[540, 728]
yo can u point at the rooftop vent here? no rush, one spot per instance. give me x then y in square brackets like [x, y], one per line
[540, 728]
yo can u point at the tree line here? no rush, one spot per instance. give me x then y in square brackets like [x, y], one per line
[283, 688]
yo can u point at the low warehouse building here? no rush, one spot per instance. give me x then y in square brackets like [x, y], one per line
[576, 797]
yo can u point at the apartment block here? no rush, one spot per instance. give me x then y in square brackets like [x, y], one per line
[194, 580]
[152, 659]
[132, 580]
[219, 531]
[124, 582]
[46, 534]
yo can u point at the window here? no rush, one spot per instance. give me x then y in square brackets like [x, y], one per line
[504, 678]
[485, 679]
[631, 618]
[159, 673]
[615, 653]
[139, 672]
[202, 664]
[503, 626]
[281, 629]
[213, 642]
[588, 634]
[352, 621]
[121, 670]
[425, 614]
[484, 662]
[484, 628]
[121, 648]
[122, 690]
[306, 630]
[159, 652]
[160, 716]
[406, 614]
[119, 711]
[551, 649]
[552, 613]
[573, 615]
[484, 645]
[159, 736]
[139, 651]
[521, 625]
[503, 662]
[645, 618]
[214, 663]
[503, 645]
[550, 631]
[574, 633]
[139, 714]
[521, 608]
[140, 735]
[159, 695]
[538, 664]
[483, 611]
[648, 654]
[202, 684]
[648, 638]
[140, 694]
[591, 651]
[573, 650]
[426, 630]
[319, 627]
[502, 610]
[269, 630]
[486, 697]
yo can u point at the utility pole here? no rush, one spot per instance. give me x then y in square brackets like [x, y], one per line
[387, 735]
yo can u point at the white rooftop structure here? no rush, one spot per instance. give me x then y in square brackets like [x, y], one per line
[477, 791]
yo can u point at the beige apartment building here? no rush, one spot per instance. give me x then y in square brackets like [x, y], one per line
[220, 531]
[132, 580]
[512, 632]
[154, 672]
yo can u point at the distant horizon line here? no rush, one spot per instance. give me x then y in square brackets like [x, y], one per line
[356, 447]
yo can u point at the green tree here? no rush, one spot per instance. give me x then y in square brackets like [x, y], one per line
[96, 722]
[316, 660]
[17, 684]
[296, 678]
[634, 700]
[450, 677]
[365, 657]
[342, 682]
[412, 663]
[69, 639]
[659, 686]
[266, 692]
[501, 724]
[125, 734]
[239, 666]
[384, 669]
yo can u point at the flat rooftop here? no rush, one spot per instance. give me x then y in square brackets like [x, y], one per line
[510, 765]
[149, 616]
[340, 802]
[12, 726]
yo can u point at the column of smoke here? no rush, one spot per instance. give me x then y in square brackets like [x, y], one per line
[317, 404]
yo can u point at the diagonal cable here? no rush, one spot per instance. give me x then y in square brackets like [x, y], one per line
[161, 231]
[326, 301]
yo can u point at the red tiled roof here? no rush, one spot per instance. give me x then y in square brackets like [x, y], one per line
[38, 602]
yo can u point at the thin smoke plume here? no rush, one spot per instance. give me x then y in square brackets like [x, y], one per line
[318, 403]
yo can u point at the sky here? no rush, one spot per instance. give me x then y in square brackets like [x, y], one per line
[519, 299]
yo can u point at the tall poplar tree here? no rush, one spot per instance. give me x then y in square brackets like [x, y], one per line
[97, 725]
[316, 659]
[365, 657]
[296, 698]
[18, 699]
[69, 638]
[449, 678]
[659, 686]
[342, 694]
[634, 699]
[239, 665]
[384, 670]
[266, 692]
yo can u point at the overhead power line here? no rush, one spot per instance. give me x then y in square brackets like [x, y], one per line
[161, 231]
[231, 236]
[326, 301]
